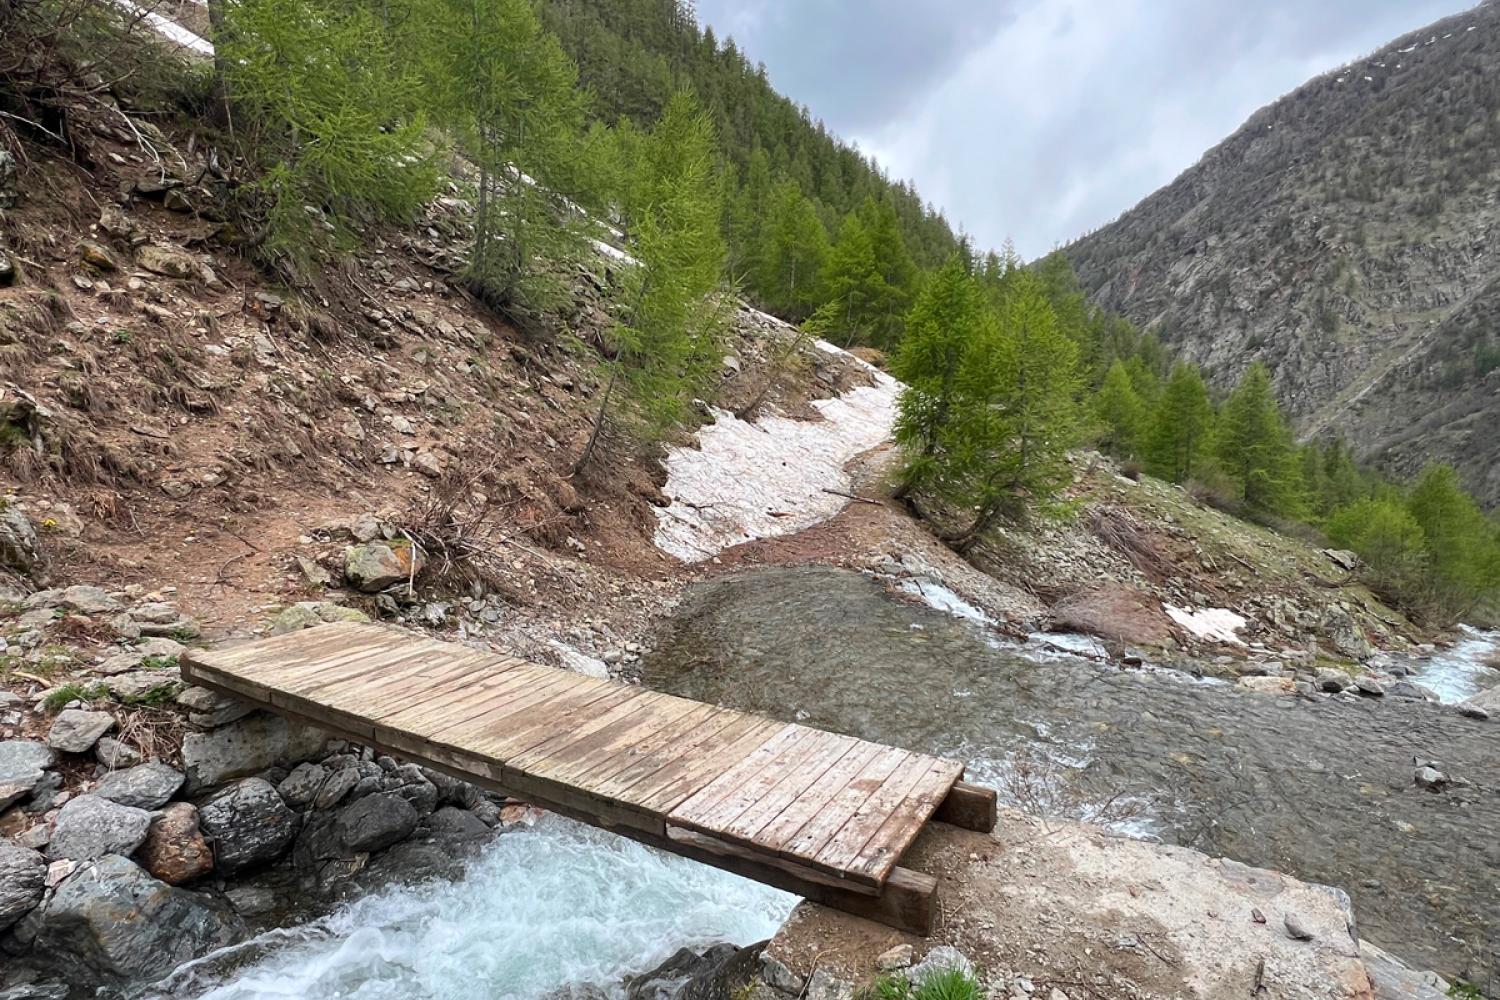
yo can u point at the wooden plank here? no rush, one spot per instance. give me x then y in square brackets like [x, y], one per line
[809, 841]
[562, 744]
[816, 800]
[635, 779]
[458, 701]
[841, 852]
[662, 719]
[799, 772]
[671, 786]
[458, 733]
[728, 795]
[972, 807]
[566, 717]
[906, 819]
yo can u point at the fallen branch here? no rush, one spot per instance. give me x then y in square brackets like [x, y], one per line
[852, 496]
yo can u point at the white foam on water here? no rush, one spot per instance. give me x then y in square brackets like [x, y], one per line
[539, 910]
[1462, 671]
[942, 598]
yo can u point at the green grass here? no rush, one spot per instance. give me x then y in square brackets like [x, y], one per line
[953, 984]
[74, 691]
[159, 662]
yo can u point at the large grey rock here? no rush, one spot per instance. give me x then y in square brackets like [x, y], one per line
[76, 730]
[87, 600]
[451, 821]
[246, 746]
[249, 824]
[722, 972]
[23, 764]
[377, 565]
[147, 786]
[375, 822]
[20, 549]
[113, 919]
[89, 827]
[171, 262]
[1487, 702]
[23, 879]
[942, 959]
[158, 650]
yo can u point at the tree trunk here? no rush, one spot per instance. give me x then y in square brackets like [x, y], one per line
[588, 449]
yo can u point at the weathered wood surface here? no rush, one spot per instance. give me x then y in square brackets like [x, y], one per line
[824, 815]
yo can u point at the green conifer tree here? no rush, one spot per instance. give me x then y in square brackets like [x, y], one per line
[1004, 448]
[945, 320]
[668, 342]
[1119, 414]
[1177, 440]
[794, 250]
[1254, 447]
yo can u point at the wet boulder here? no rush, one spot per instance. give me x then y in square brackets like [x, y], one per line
[375, 822]
[722, 972]
[90, 827]
[250, 825]
[23, 875]
[114, 920]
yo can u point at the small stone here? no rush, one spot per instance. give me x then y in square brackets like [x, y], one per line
[428, 463]
[1430, 778]
[84, 599]
[171, 262]
[1370, 687]
[210, 709]
[1294, 927]
[175, 850]
[898, 957]
[1332, 681]
[314, 573]
[145, 686]
[90, 827]
[23, 765]
[338, 785]
[147, 786]
[97, 257]
[375, 566]
[251, 900]
[76, 730]
[301, 786]
[943, 958]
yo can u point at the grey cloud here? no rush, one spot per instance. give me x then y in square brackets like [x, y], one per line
[1040, 119]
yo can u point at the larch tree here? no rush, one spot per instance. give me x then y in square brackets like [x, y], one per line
[1119, 414]
[945, 321]
[793, 251]
[1254, 447]
[1178, 439]
[1015, 416]
[667, 341]
[508, 92]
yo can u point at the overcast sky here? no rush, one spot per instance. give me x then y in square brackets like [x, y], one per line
[1042, 119]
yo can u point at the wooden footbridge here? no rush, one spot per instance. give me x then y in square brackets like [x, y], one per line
[818, 814]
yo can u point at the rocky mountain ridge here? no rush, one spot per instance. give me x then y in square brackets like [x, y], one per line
[1347, 236]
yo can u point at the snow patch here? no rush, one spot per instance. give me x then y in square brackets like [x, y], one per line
[169, 29]
[1215, 624]
[759, 480]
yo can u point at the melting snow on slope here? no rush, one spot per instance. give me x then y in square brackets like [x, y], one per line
[940, 597]
[763, 479]
[1215, 624]
[169, 29]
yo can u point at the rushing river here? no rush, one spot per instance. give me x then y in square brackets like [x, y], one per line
[541, 910]
[1320, 788]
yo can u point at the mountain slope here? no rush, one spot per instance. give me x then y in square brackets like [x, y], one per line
[1348, 235]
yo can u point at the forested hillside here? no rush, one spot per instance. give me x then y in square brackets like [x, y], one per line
[1345, 237]
[809, 219]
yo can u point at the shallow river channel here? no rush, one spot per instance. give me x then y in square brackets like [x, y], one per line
[1321, 788]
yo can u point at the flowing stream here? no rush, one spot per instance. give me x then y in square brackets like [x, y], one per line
[539, 911]
[1320, 788]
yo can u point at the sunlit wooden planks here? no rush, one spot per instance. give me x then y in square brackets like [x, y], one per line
[820, 813]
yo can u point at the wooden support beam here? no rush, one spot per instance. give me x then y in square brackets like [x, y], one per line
[972, 807]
